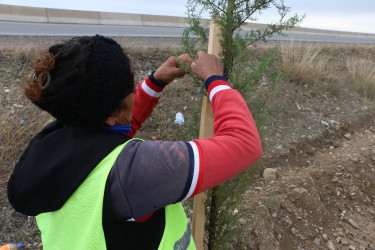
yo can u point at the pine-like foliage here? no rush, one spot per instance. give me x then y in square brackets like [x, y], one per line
[224, 203]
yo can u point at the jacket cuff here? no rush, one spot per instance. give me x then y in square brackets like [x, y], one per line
[215, 84]
[151, 88]
[156, 82]
[214, 78]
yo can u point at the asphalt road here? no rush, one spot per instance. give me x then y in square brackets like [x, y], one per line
[57, 29]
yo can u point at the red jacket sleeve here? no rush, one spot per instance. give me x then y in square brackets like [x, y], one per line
[236, 144]
[154, 174]
[145, 99]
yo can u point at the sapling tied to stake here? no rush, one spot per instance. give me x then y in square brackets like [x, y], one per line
[231, 16]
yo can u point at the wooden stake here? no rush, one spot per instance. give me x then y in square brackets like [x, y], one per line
[206, 130]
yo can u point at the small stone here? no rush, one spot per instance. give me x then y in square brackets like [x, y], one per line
[351, 247]
[370, 211]
[348, 136]
[317, 241]
[300, 190]
[338, 239]
[320, 228]
[325, 237]
[298, 106]
[274, 215]
[371, 246]
[293, 231]
[40, 245]
[287, 222]
[258, 189]
[330, 245]
[269, 174]
[344, 241]
[335, 180]
[324, 123]
[353, 223]
[355, 159]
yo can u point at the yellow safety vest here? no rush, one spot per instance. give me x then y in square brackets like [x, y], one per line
[78, 223]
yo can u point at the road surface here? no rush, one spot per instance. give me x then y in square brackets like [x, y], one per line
[58, 29]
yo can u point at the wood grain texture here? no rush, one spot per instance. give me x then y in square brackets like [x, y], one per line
[206, 130]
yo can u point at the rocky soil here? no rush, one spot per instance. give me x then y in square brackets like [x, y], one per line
[315, 185]
[317, 198]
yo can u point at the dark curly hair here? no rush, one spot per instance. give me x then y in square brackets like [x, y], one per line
[81, 82]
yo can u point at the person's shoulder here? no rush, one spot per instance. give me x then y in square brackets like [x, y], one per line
[144, 146]
[153, 150]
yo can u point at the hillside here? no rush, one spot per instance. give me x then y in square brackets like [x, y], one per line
[314, 188]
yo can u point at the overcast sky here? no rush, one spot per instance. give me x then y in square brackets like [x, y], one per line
[345, 15]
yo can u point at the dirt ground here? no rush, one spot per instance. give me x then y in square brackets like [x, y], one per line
[319, 195]
[315, 185]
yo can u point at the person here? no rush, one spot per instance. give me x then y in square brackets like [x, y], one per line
[89, 183]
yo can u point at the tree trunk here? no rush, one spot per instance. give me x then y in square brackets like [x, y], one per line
[227, 52]
[228, 39]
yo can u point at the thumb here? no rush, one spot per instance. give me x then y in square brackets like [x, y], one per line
[179, 71]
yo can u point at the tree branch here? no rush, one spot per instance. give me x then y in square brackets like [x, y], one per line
[254, 9]
[264, 35]
[216, 6]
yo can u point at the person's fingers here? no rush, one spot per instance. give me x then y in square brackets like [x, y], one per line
[172, 61]
[175, 72]
[186, 59]
[200, 54]
[193, 65]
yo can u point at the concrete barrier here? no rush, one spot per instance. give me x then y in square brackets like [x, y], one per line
[72, 16]
[25, 14]
[311, 31]
[182, 22]
[165, 21]
[46, 15]
[107, 18]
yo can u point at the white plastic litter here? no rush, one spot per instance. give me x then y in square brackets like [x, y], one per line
[179, 118]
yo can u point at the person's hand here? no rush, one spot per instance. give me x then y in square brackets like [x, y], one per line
[206, 65]
[171, 69]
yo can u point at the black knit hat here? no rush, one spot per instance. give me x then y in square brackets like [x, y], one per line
[90, 99]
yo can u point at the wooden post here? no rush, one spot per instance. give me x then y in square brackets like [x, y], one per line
[206, 130]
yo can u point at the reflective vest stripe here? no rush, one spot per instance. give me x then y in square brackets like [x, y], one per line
[177, 233]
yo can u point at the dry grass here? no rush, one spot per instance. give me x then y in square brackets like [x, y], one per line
[303, 63]
[19, 119]
[362, 71]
